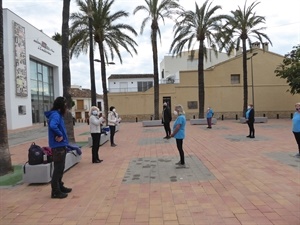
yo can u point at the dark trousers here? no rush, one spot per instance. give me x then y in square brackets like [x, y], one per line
[95, 149]
[167, 128]
[297, 137]
[59, 158]
[251, 128]
[179, 143]
[208, 122]
[112, 134]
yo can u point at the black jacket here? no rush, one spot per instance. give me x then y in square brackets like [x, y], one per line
[167, 116]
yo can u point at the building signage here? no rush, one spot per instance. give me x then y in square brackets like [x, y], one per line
[44, 47]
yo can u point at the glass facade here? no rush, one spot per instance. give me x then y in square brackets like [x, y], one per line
[42, 90]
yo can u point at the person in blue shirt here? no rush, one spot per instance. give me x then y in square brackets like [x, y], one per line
[58, 142]
[179, 132]
[209, 115]
[250, 120]
[296, 126]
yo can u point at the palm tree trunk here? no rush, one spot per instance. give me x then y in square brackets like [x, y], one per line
[92, 69]
[66, 69]
[155, 70]
[245, 77]
[103, 77]
[201, 92]
[5, 159]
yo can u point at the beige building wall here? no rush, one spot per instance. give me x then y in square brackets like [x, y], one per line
[270, 92]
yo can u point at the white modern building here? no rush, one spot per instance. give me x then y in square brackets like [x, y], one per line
[171, 65]
[32, 70]
[130, 82]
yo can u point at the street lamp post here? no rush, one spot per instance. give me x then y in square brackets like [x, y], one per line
[254, 54]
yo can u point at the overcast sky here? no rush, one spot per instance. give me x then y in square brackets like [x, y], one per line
[282, 22]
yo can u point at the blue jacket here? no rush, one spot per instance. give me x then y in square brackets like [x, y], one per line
[56, 127]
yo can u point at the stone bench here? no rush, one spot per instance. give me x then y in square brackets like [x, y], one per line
[151, 123]
[42, 173]
[257, 120]
[202, 121]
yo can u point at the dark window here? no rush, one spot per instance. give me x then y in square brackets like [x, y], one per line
[235, 79]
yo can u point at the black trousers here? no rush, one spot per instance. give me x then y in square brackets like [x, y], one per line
[179, 143]
[297, 137]
[251, 128]
[59, 158]
[167, 128]
[209, 121]
[112, 134]
[96, 143]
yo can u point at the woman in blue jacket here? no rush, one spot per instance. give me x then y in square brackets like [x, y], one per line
[58, 142]
[296, 126]
[250, 120]
[179, 132]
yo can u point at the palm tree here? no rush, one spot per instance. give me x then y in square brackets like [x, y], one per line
[239, 28]
[5, 160]
[66, 68]
[194, 28]
[156, 11]
[108, 34]
[57, 37]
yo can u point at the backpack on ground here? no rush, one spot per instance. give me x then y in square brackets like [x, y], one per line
[35, 154]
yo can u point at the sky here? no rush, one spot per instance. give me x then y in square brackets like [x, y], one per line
[282, 27]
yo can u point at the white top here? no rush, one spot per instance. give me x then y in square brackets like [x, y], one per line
[95, 124]
[113, 118]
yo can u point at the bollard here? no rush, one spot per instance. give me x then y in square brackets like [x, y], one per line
[277, 116]
[151, 117]
[194, 116]
[291, 115]
[222, 117]
[236, 117]
[136, 119]
[44, 123]
[264, 115]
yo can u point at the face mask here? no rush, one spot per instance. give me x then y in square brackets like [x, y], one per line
[95, 113]
[249, 107]
[114, 110]
[175, 113]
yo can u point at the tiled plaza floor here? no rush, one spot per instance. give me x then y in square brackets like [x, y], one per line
[228, 179]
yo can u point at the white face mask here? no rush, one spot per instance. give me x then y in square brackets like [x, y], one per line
[175, 113]
[249, 107]
[114, 110]
[95, 112]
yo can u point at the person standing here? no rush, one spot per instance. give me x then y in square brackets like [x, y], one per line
[95, 128]
[179, 132]
[296, 127]
[58, 142]
[113, 121]
[166, 119]
[209, 115]
[250, 120]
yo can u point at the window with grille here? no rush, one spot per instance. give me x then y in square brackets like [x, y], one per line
[235, 79]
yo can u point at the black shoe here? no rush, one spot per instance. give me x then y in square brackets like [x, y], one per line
[248, 136]
[166, 137]
[113, 145]
[297, 155]
[252, 136]
[59, 195]
[65, 189]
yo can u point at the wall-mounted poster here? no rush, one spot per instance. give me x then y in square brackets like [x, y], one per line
[20, 60]
[22, 109]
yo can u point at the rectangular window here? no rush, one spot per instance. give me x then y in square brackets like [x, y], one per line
[144, 85]
[235, 79]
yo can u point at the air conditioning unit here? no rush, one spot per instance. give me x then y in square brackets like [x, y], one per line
[170, 79]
